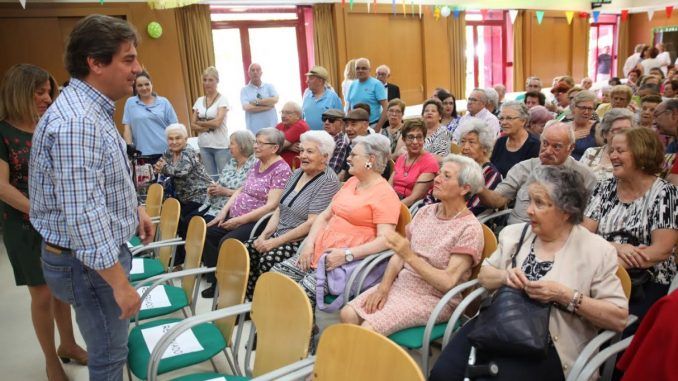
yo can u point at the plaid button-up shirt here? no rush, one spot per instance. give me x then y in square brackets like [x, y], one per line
[80, 184]
[341, 148]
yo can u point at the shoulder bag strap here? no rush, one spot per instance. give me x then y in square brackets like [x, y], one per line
[520, 245]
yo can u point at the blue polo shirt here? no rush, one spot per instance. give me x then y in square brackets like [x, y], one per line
[148, 123]
[313, 108]
[255, 121]
[371, 91]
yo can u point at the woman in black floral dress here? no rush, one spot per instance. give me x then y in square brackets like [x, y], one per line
[25, 93]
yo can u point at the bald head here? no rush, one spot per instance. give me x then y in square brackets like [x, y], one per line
[255, 73]
[557, 142]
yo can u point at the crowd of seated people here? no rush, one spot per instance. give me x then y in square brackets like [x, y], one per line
[592, 180]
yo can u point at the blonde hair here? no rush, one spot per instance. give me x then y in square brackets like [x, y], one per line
[349, 70]
[17, 92]
[211, 71]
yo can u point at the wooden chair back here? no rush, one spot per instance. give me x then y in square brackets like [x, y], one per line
[195, 241]
[283, 318]
[351, 352]
[404, 219]
[489, 247]
[154, 196]
[232, 273]
[625, 281]
[167, 228]
[455, 149]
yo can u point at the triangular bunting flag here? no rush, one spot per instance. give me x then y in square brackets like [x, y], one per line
[456, 12]
[343, 3]
[650, 14]
[596, 14]
[669, 10]
[484, 12]
[23, 3]
[513, 13]
[420, 8]
[569, 15]
[624, 14]
[540, 16]
[436, 13]
[369, 5]
[393, 7]
[350, 4]
[583, 15]
[404, 8]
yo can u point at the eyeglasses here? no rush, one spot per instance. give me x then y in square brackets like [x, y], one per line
[394, 112]
[258, 143]
[411, 138]
[508, 118]
[586, 109]
[362, 68]
[557, 147]
[657, 113]
[331, 120]
[472, 100]
[286, 112]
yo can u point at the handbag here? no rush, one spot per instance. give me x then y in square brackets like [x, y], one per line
[333, 282]
[511, 323]
[639, 277]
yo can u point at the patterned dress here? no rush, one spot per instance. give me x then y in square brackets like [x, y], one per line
[189, 176]
[231, 177]
[411, 299]
[438, 143]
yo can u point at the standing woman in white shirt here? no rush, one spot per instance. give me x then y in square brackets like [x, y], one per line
[209, 120]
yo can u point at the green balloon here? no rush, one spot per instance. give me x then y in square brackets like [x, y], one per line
[154, 29]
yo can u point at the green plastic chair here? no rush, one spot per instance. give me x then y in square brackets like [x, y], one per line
[281, 315]
[232, 272]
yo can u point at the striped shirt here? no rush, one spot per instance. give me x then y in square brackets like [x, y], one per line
[312, 198]
[80, 184]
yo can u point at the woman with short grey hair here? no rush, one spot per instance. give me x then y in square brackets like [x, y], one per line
[476, 143]
[584, 105]
[554, 260]
[598, 158]
[376, 145]
[322, 139]
[517, 144]
[259, 194]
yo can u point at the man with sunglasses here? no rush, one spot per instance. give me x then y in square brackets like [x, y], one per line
[333, 123]
[557, 142]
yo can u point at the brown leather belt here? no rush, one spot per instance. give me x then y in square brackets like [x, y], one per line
[55, 249]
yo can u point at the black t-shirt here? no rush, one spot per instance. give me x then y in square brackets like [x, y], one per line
[504, 159]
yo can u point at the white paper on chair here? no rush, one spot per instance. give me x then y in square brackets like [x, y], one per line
[217, 379]
[185, 343]
[137, 266]
[156, 299]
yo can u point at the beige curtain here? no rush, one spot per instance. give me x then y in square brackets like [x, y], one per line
[518, 62]
[623, 50]
[325, 42]
[196, 47]
[457, 35]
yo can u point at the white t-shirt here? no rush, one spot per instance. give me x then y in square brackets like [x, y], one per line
[650, 63]
[665, 59]
[217, 138]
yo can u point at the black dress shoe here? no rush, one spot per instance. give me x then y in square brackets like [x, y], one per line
[208, 293]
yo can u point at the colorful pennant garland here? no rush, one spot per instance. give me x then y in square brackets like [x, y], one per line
[569, 15]
[669, 10]
[540, 16]
[513, 13]
[624, 14]
[456, 12]
[596, 15]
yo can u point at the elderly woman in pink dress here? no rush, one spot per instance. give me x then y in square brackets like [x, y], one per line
[444, 241]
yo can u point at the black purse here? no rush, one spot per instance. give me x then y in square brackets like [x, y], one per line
[639, 277]
[512, 324]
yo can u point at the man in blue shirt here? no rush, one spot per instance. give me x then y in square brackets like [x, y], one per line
[318, 98]
[83, 202]
[258, 100]
[368, 90]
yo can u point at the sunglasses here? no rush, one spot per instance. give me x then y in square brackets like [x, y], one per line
[331, 120]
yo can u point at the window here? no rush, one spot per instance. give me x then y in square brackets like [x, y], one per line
[276, 38]
[487, 61]
[603, 48]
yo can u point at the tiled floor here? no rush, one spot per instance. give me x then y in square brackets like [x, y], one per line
[23, 360]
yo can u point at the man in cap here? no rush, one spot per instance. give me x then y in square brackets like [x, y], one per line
[333, 122]
[357, 124]
[318, 97]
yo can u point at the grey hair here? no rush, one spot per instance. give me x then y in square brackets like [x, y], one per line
[275, 136]
[486, 135]
[377, 145]
[295, 107]
[519, 107]
[614, 115]
[492, 97]
[530, 79]
[363, 59]
[559, 124]
[388, 69]
[484, 93]
[244, 139]
[322, 139]
[176, 128]
[540, 114]
[565, 187]
[470, 173]
[584, 96]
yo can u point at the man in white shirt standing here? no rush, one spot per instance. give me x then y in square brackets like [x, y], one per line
[664, 57]
[476, 108]
[633, 60]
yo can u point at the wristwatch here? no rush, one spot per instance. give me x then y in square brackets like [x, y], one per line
[348, 255]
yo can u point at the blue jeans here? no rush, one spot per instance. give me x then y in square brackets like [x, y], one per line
[95, 310]
[214, 159]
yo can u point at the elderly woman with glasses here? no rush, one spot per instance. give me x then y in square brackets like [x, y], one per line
[443, 242]
[517, 144]
[598, 158]
[584, 127]
[259, 194]
[415, 169]
[620, 97]
[395, 111]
